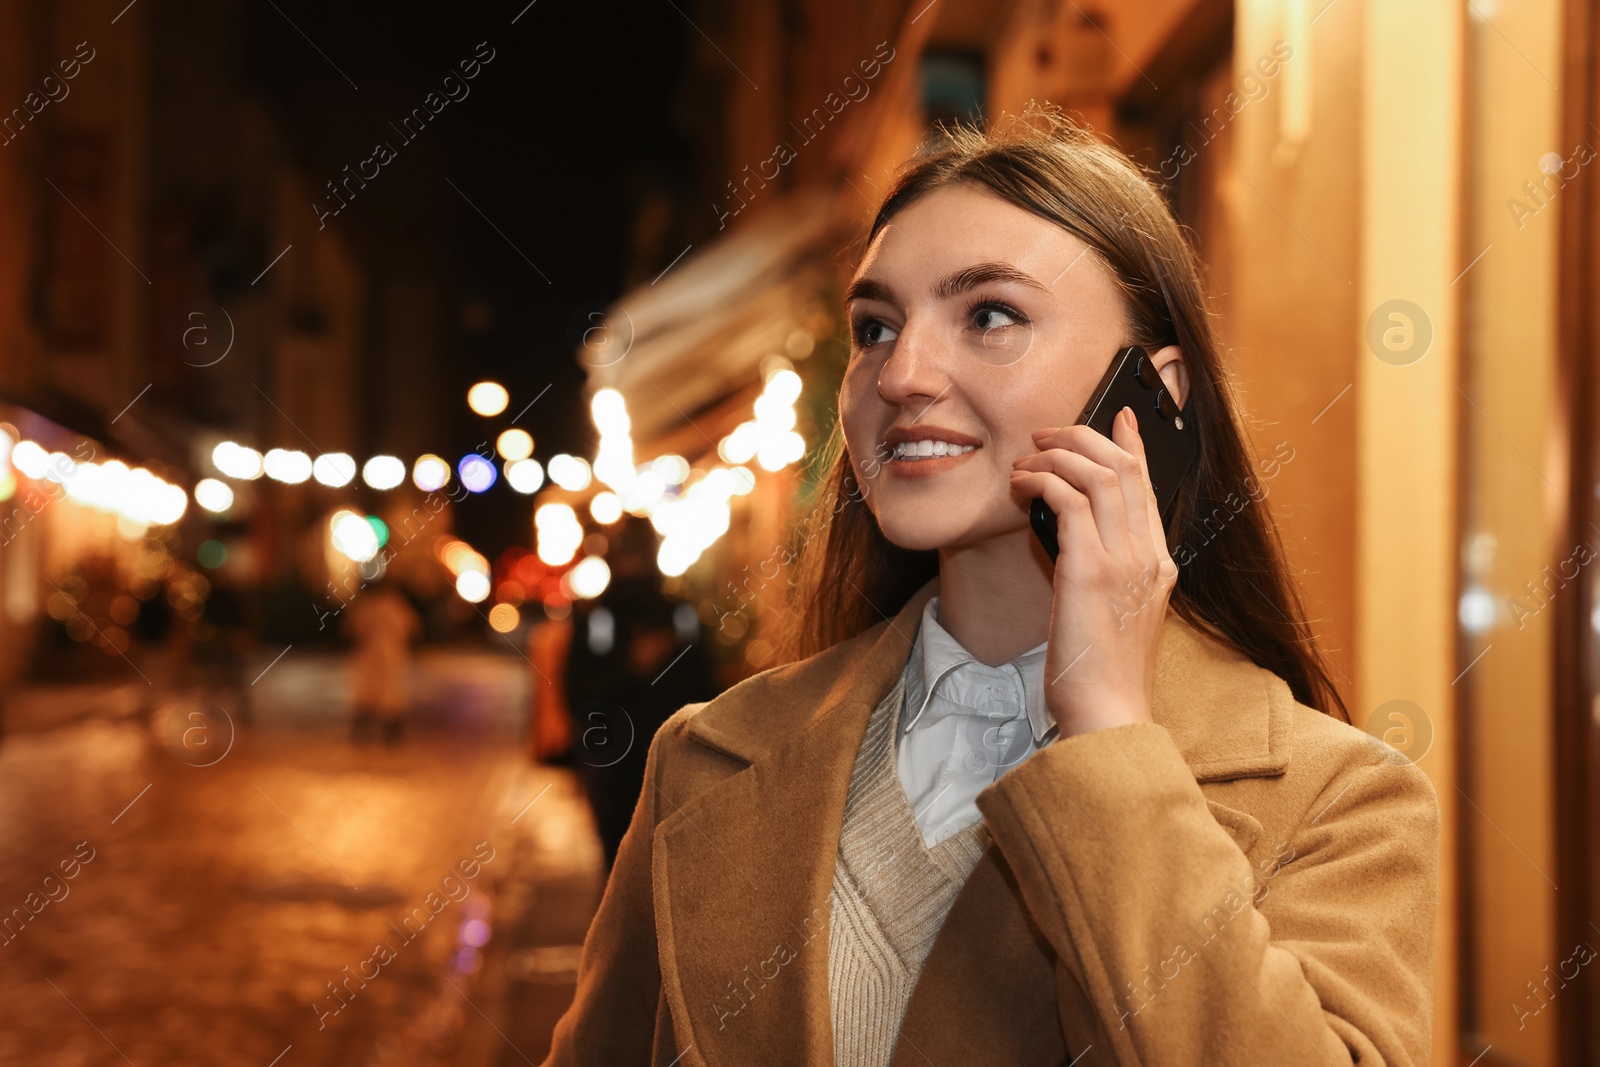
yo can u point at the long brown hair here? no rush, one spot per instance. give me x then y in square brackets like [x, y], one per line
[1235, 586]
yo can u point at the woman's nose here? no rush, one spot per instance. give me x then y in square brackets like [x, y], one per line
[915, 370]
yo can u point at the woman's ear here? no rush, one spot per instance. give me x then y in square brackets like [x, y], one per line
[1174, 372]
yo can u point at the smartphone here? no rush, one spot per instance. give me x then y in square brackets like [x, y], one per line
[1171, 439]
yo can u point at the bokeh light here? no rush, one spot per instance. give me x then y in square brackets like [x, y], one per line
[525, 475]
[211, 554]
[514, 444]
[557, 532]
[606, 507]
[475, 932]
[488, 398]
[286, 465]
[671, 469]
[334, 469]
[30, 459]
[383, 472]
[472, 586]
[610, 412]
[589, 578]
[214, 496]
[477, 473]
[237, 461]
[353, 536]
[430, 473]
[569, 472]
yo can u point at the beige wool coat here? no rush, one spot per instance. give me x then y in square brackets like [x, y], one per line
[1243, 881]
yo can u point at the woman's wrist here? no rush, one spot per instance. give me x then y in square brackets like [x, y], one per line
[1104, 716]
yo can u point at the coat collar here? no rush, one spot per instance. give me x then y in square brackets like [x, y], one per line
[1229, 717]
[742, 871]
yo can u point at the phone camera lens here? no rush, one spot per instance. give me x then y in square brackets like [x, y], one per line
[1146, 373]
[1165, 406]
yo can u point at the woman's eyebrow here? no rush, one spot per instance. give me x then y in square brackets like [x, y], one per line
[948, 286]
[868, 289]
[981, 273]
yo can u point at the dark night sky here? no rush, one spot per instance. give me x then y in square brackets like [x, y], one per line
[572, 117]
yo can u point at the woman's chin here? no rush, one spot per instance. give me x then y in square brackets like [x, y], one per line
[916, 536]
[917, 533]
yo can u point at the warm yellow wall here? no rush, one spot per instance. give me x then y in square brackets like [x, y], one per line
[1292, 202]
[1513, 473]
[1406, 415]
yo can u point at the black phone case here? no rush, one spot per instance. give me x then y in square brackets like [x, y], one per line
[1171, 439]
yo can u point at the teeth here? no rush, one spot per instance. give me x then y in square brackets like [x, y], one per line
[929, 449]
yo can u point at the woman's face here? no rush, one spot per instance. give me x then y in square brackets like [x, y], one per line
[976, 322]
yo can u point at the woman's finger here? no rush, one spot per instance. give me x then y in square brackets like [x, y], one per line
[1102, 486]
[1146, 514]
[1077, 536]
[1115, 453]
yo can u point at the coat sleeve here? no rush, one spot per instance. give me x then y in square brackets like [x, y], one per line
[1320, 954]
[613, 1013]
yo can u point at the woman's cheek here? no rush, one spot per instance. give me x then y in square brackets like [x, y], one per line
[855, 433]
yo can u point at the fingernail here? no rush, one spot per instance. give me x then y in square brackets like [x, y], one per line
[1046, 432]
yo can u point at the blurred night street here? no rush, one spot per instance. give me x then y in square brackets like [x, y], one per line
[226, 888]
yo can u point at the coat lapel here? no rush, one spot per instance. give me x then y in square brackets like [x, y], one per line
[743, 870]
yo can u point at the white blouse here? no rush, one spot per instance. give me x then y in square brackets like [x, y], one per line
[964, 724]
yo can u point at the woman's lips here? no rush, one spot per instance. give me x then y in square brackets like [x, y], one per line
[927, 467]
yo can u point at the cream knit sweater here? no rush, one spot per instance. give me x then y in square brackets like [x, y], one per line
[891, 893]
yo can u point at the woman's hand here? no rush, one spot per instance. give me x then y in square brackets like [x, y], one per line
[1113, 574]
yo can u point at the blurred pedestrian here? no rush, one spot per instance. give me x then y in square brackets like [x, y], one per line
[226, 653]
[637, 655]
[549, 718]
[382, 623]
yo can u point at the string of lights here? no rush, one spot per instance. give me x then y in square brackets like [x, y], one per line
[688, 507]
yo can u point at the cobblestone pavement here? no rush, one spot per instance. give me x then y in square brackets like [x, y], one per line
[173, 895]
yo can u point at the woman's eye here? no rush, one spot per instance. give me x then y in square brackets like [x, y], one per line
[990, 317]
[871, 332]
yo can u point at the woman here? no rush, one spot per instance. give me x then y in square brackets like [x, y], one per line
[1003, 812]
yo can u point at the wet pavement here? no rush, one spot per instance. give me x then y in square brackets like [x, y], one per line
[286, 896]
